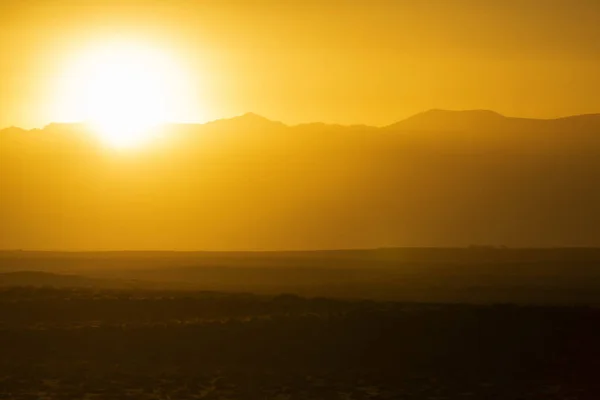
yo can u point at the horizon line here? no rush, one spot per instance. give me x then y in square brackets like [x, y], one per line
[256, 115]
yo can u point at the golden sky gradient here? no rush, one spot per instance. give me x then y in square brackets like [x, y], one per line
[353, 61]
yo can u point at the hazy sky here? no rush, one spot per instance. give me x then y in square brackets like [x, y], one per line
[352, 61]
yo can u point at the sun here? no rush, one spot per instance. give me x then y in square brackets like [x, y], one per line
[125, 90]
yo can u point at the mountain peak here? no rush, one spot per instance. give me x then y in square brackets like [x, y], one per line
[450, 120]
[252, 115]
[254, 118]
[247, 120]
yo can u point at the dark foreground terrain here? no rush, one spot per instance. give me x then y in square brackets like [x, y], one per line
[473, 323]
[91, 343]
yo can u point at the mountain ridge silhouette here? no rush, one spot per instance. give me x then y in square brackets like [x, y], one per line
[433, 119]
[249, 183]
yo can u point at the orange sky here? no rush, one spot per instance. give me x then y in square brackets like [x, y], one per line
[352, 61]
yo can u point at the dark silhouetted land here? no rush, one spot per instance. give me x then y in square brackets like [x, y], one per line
[140, 344]
[416, 323]
[560, 276]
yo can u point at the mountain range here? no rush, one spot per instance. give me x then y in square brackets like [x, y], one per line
[439, 178]
[431, 120]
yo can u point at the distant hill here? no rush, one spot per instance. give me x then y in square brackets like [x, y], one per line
[37, 278]
[34, 278]
[476, 274]
[439, 178]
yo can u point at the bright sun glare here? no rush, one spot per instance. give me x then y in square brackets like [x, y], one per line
[125, 91]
